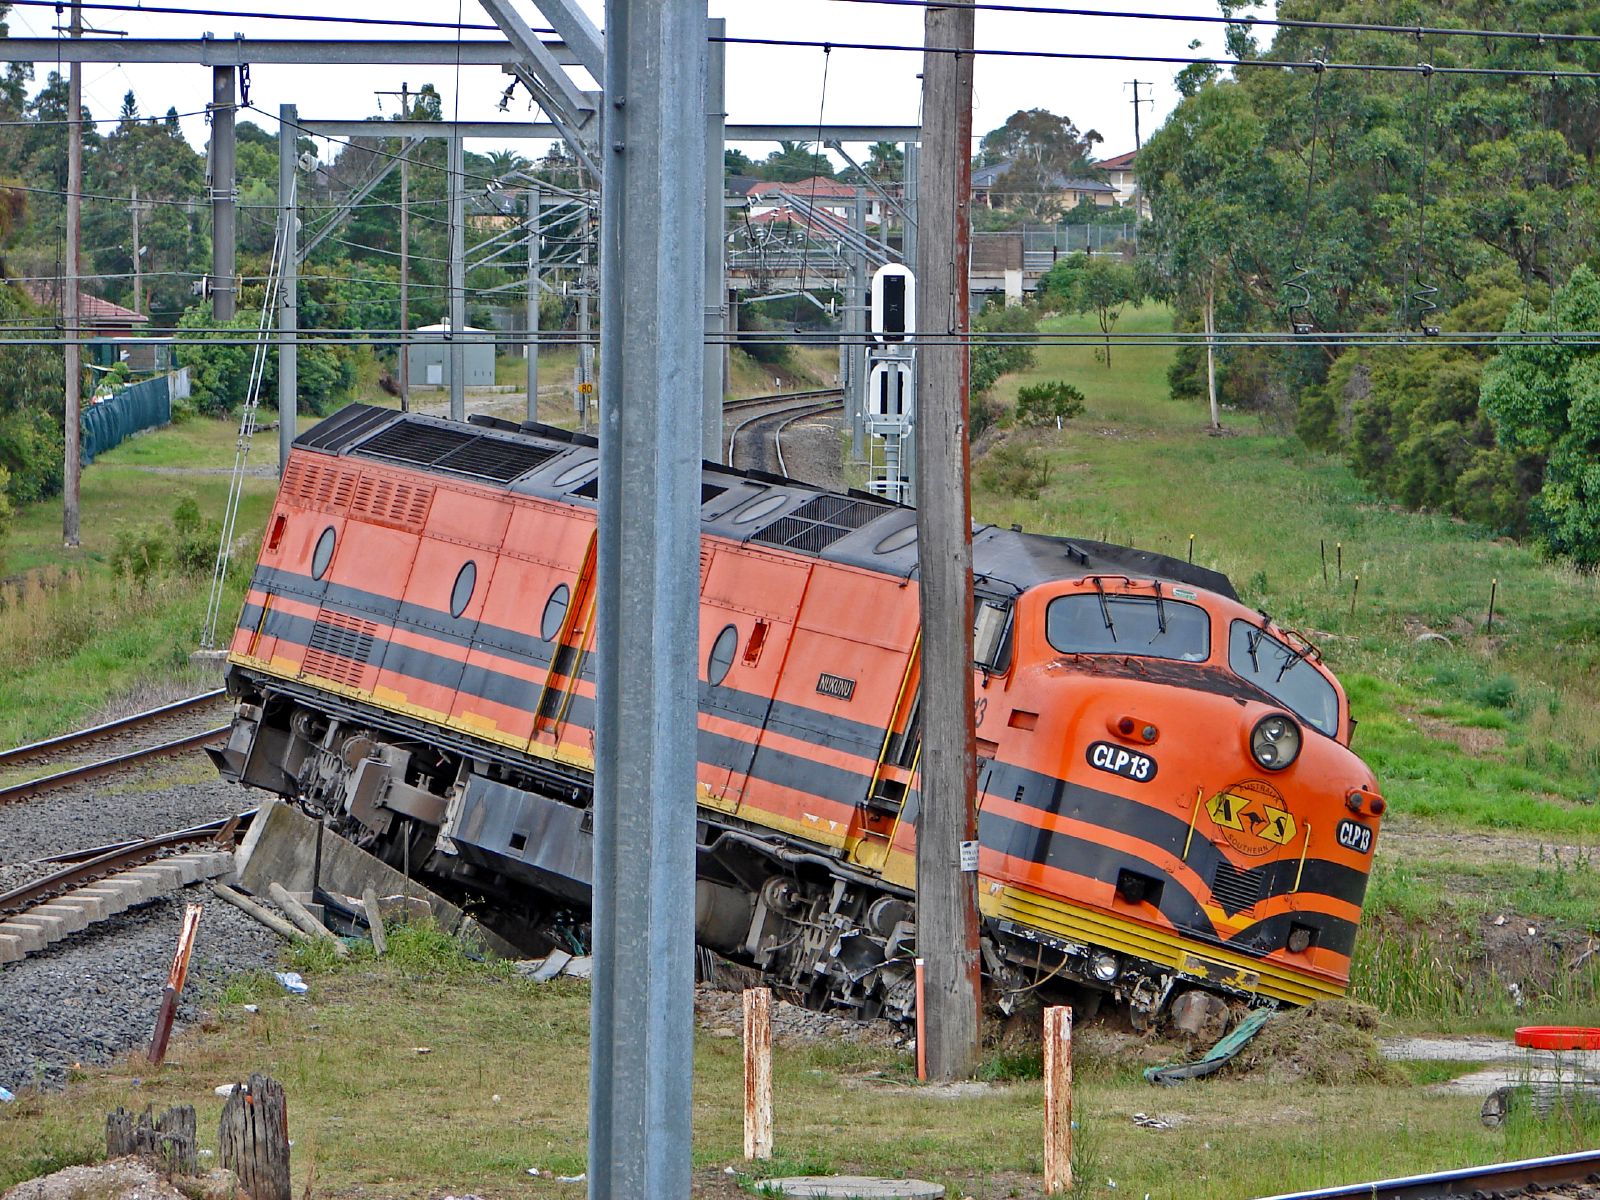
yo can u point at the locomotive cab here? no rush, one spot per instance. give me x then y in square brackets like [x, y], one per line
[1180, 767]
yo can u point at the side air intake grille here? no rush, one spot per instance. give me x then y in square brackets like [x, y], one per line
[320, 485]
[468, 453]
[1236, 890]
[340, 648]
[819, 522]
[388, 502]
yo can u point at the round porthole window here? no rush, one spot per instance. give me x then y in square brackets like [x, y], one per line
[323, 554]
[722, 652]
[757, 509]
[461, 594]
[555, 612]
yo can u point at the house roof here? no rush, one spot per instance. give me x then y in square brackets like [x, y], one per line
[988, 177]
[806, 188]
[824, 222]
[92, 310]
[1122, 162]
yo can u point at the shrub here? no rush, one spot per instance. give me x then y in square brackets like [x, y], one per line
[1048, 403]
[1015, 469]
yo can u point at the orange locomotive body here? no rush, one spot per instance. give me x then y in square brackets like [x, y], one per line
[1168, 800]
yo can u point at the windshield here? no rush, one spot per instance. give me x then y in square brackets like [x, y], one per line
[1284, 674]
[1142, 625]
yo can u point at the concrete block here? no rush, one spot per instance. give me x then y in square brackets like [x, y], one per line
[136, 887]
[281, 847]
[50, 929]
[13, 945]
[215, 864]
[112, 900]
[72, 916]
[187, 865]
[23, 935]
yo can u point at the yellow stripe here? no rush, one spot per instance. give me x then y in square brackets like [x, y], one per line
[1090, 926]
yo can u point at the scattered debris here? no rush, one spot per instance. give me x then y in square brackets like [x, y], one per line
[224, 1089]
[558, 962]
[1144, 1121]
[292, 982]
[252, 1008]
[422, 1049]
[6, 1097]
[123, 1177]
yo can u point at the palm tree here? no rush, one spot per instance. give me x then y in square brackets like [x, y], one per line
[886, 161]
[504, 162]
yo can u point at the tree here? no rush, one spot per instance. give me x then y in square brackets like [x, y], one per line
[1043, 151]
[794, 161]
[737, 162]
[886, 161]
[1103, 286]
[1544, 398]
[1048, 403]
[505, 162]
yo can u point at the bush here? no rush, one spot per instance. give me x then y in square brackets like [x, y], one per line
[991, 359]
[1015, 469]
[1048, 403]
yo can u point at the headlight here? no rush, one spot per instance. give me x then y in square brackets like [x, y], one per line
[1275, 741]
[1104, 967]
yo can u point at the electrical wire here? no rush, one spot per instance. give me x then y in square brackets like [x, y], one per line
[1168, 59]
[1537, 37]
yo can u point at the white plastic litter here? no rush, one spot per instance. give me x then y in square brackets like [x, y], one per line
[5, 1096]
[250, 1008]
[224, 1089]
[572, 1178]
[292, 982]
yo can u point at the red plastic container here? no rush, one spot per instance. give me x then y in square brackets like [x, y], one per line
[1558, 1037]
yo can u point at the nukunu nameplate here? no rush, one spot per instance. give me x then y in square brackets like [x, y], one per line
[836, 686]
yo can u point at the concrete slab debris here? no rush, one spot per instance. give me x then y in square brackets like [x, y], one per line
[854, 1187]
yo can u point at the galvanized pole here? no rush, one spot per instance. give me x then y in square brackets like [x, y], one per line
[585, 351]
[947, 892]
[224, 194]
[716, 294]
[455, 178]
[405, 258]
[641, 1012]
[289, 283]
[911, 170]
[533, 303]
[71, 465]
[138, 268]
[855, 396]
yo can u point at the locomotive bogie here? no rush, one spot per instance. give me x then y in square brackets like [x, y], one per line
[1167, 797]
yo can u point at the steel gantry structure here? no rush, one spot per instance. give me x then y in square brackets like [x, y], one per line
[649, 126]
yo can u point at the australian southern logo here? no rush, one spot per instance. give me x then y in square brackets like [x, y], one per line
[1119, 760]
[1253, 817]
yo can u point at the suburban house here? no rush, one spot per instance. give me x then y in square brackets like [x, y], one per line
[1071, 192]
[1119, 171]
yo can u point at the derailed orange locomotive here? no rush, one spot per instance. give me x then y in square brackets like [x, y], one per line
[1168, 800]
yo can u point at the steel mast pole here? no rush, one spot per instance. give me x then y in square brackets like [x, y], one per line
[288, 283]
[72, 463]
[533, 303]
[224, 194]
[458, 280]
[716, 293]
[947, 892]
[405, 259]
[652, 279]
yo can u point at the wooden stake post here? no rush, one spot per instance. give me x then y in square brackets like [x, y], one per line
[253, 1137]
[1057, 1100]
[757, 1073]
[177, 975]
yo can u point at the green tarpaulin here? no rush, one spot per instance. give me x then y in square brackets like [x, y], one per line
[141, 406]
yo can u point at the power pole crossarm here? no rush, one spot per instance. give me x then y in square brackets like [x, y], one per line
[947, 881]
[575, 111]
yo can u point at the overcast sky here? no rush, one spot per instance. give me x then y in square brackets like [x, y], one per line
[765, 84]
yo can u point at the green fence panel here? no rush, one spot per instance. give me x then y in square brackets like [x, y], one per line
[140, 406]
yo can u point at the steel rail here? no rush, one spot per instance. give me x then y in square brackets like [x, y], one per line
[63, 741]
[1466, 1181]
[793, 400]
[107, 860]
[45, 783]
[777, 434]
[748, 402]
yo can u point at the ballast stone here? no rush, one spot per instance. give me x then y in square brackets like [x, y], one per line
[854, 1187]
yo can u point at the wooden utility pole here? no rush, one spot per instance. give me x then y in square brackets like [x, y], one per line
[69, 293]
[947, 826]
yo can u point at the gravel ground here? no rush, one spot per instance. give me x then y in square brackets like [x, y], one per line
[94, 995]
[115, 808]
[811, 451]
[89, 998]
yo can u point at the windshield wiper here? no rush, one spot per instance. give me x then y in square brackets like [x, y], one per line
[1251, 641]
[1291, 660]
[1105, 609]
[1161, 611]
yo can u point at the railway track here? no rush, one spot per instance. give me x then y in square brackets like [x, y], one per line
[54, 749]
[755, 441]
[1565, 1176]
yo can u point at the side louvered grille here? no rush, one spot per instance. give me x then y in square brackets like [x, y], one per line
[1236, 890]
[402, 505]
[462, 452]
[340, 648]
[819, 522]
[319, 485]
